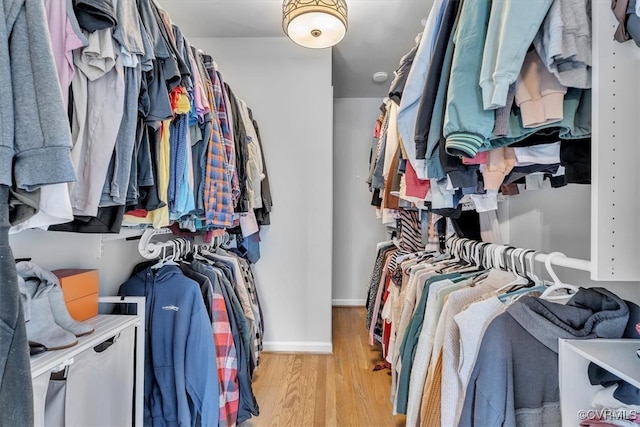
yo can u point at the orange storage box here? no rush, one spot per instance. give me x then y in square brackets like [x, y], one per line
[80, 289]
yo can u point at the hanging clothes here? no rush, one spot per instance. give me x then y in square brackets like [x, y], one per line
[227, 355]
[168, 105]
[247, 403]
[181, 383]
[527, 334]
[16, 394]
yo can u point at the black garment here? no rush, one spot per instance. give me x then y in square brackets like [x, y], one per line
[461, 175]
[430, 90]
[148, 198]
[520, 172]
[95, 15]
[240, 141]
[575, 156]
[263, 214]
[556, 181]
[376, 200]
[205, 287]
[543, 136]
[467, 225]
[453, 213]
[625, 392]
[108, 220]
[16, 392]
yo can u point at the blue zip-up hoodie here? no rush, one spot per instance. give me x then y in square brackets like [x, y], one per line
[181, 373]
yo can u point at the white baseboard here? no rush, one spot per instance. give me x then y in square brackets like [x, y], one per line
[348, 302]
[298, 347]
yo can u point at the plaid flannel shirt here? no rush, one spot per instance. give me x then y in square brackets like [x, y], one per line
[227, 133]
[227, 359]
[218, 200]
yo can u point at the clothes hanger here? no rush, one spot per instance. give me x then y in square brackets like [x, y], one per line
[453, 256]
[557, 284]
[163, 260]
[519, 281]
[527, 283]
[467, 260]
[539, 281]
[480, 252]
[176, 253]
[523, 266]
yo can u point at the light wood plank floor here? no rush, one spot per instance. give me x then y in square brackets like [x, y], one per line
[327, 390]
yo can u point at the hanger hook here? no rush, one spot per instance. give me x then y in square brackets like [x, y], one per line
[547, 264]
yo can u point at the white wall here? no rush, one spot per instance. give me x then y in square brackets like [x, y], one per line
[559, 220]
[54, 250]
[289, 90]
[355, 227]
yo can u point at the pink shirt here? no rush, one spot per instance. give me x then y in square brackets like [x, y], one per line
[415, 186]
[65, 36]
[482, 158]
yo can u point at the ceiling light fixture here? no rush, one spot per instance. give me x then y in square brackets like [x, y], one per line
[315, 24]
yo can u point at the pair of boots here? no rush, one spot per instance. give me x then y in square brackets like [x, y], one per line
[47, 319]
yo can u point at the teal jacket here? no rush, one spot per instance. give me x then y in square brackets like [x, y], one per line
[490, 45]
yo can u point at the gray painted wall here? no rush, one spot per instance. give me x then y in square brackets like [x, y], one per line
[355, 227]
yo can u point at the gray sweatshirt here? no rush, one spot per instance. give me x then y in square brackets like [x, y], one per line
[515, 378]
[35, 139]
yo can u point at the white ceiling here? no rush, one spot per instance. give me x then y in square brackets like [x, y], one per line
[380, 33]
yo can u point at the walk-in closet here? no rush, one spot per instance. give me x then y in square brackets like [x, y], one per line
[319, 213]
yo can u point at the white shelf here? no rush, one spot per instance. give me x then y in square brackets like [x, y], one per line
[124, 234]
[105, 325]
[617, 356]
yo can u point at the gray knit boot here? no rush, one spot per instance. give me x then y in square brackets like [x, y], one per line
[30, 271]
[62, 316]
[41, 327]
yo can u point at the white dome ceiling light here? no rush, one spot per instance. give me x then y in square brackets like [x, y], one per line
[315, 24]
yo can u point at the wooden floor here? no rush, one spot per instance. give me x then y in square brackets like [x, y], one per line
[327, 390]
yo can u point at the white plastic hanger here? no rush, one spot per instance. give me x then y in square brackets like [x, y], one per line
[168, 259]
[557, 284]
[519, 279]
[531, 257]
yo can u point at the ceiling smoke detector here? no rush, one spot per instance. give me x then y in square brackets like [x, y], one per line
[380, 77]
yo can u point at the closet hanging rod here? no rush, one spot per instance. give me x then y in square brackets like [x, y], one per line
[460, 246]
[573, 263]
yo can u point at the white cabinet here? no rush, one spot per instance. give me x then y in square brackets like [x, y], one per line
[128, 329]
[618, 356]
